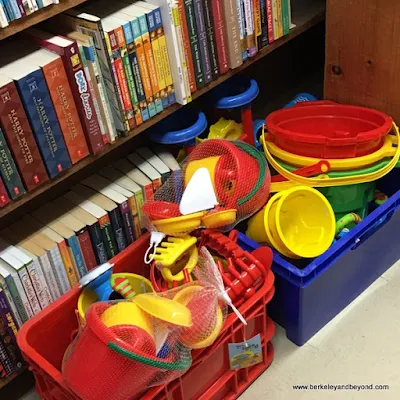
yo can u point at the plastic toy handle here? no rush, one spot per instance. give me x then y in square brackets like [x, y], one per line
[257, 126]
[347, 220]
[240, 100]
[322, 166]
[326, 181]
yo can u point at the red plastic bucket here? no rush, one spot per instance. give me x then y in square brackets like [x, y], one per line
[321, 130]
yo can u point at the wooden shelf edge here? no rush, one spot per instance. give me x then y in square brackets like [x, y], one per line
[304, 22]
[19, 25]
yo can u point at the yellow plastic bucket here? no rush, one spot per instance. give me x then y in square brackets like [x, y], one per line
[298, 223]
[88, 297]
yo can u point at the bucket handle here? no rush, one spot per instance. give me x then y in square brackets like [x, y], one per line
[151, 362]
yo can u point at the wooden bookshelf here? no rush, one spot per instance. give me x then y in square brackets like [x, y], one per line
[304, 18]
[19, 25]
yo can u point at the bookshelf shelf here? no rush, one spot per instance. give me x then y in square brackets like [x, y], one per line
[304, 18]
[41, 15]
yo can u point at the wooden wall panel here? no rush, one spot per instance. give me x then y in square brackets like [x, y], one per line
[363, 54]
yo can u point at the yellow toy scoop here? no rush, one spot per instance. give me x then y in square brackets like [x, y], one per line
[172, 249]
[164, 309]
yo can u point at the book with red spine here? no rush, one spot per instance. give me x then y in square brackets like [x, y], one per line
[63, 101]
[4, 199]
[68, 51]
[16, 128]
[220, 35]
[270, 21]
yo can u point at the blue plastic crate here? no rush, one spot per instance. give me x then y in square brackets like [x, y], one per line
[307, 299]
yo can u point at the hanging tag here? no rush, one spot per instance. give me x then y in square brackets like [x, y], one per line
[245, 354]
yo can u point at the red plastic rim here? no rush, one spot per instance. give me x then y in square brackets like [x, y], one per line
[328, 130]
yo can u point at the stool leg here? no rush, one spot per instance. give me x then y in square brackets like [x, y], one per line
[247, 121]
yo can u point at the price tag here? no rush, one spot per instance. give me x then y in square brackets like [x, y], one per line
[245, 354]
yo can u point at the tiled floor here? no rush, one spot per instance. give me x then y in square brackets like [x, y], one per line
[361, 346]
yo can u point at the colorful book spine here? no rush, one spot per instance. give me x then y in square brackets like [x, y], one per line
[108, 236]
[87, 250]
[134, 63]
[92, 91]
[263, 38]
[220, 35]
[121, 77]
[279, 18]
[249, 24]
[119, 32]
[3, 16]
[11, 304]
[9, 9]
[270, 21]
[98, 243]
[4, 198]
[68, 263]
[76, 253]
[275, 27]
[242, 28]
[22, 295]
[150, 62]
[166, 66]
[232, 33]
[43, 119]
[19, 136]
[29, 290]
[20, 4]
[92, 26]
[10, 287]
[187, 46]
[127, 221]
[65, 107]
[39, 270]
[118, 228]
[160, 70]
[59, 270]
[201, 31]
[211, 35]
[5, 362]
[285, 17]
[194, 42]
[257, 22]
[16, 11]
[80, 90]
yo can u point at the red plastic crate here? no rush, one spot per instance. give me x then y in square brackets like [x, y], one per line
[44, 339]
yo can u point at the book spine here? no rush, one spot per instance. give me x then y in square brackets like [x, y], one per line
[16, 11]
[201, 31]
[18, 299]
[139, 196]
[8, 334]
[45, 127]
[4, 199]
[29, 290]
[13, 306]
[59, 270]
[194, 42]
[9, 9]
[23, 295]
[118, 228]
[123, 84]
[212, 43]
[87, 249]
[3, 17]
[232, 33]
[38, 271]
[135, 217]
[285, 17]
[96, 105]
[108, 236]
[102, 92]
[19, 136]
[249, 24]
[143, 67]
[65, 107]
[187, 47]
[270, 21]
[68, 264]
[155, 44]
[257, 22]
[5, 360]
[99, 246]
[76, 252]
[242, 28]
[119, 32]
[127, 221]
[263, 38]
[220, 35]
[275, 26]
[95, 31]
[21, 8]
[279, 18]
[150, 62]
[134, 64]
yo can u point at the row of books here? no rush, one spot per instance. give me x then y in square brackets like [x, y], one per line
[16, 9]
[45, 253]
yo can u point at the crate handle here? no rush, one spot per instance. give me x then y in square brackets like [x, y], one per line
[375, 227]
